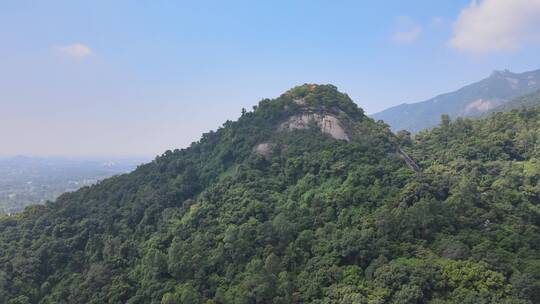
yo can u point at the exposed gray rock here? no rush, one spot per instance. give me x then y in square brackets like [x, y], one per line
[300, 101]
[329, 124]
[264, 149]
[325, 120]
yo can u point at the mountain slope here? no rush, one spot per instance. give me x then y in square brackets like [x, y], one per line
[521, 102]
[303, 200]
[471, 100]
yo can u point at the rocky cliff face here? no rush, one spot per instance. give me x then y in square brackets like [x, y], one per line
[328, 124]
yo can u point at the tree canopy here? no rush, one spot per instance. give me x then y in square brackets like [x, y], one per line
[319, 221]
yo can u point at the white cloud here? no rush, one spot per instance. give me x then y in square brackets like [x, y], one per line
[497, 25]
[408, 31]
[77, 50]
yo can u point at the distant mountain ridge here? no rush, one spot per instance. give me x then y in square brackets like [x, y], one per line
[472, 100]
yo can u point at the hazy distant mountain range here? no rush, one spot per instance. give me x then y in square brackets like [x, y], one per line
[472, 100]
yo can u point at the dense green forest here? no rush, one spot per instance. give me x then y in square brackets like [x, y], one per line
[318, 220]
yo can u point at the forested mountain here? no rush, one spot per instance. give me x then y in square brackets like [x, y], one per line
[472, 100]
[521, 102]
[302, 200]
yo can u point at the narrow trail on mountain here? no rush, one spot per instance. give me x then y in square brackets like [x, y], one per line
[410, 162]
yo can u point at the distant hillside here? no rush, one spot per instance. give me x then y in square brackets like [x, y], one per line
[521, 102]
[471, 100]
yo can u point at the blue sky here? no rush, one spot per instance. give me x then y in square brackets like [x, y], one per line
[130, 78]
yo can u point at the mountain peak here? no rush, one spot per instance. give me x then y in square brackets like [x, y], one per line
[324, 97]
[308, 105]
[306, 89]
[504, 72]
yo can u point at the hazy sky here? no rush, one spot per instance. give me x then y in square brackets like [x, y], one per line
[128, 78]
